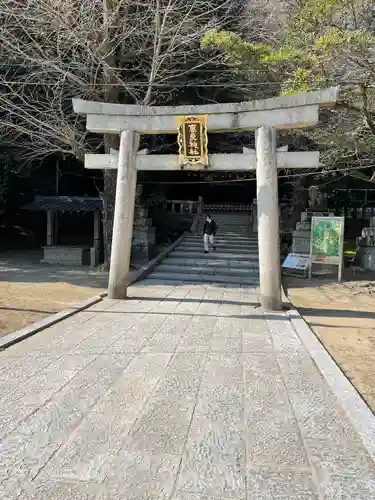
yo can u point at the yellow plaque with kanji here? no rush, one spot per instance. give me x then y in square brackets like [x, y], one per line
[192, 139]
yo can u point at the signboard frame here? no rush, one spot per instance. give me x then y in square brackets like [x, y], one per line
[324, 257]
[192, 133]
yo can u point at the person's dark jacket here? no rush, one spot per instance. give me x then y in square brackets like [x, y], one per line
[210, 228]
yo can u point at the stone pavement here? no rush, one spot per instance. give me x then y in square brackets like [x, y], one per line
[342, 315]
[183, 393]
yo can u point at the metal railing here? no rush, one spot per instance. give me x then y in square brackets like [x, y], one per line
[180, 206]
[190, 206]
[227, 207]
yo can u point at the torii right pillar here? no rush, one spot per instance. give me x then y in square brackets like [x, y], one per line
[268, 219]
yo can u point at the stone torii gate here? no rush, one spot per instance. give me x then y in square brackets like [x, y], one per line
[264, 117]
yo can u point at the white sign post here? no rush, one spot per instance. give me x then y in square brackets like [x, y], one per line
[327, 242]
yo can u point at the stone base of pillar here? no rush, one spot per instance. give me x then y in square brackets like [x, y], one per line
[118, 291]
[270, 303]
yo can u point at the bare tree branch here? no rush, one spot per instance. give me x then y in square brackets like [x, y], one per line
[116, 50]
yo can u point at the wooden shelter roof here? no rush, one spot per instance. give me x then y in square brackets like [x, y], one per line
[63, 204]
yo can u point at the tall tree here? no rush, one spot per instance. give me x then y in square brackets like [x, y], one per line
[315, 44]
[130, 51]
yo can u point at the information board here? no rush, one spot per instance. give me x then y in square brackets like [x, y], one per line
[296, 263]
[327, 242]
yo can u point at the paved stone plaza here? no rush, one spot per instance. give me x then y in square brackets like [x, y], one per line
[183, 392]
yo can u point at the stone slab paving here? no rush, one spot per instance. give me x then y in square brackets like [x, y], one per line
[184, 392]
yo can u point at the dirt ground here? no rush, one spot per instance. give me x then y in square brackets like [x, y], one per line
[30, 291]
[342, 315]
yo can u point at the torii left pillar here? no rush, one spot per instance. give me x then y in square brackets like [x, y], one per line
[268, 220]
[123, 216]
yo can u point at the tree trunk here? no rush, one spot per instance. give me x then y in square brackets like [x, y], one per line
[108, 196]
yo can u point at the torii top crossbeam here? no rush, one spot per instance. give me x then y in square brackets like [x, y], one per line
[285, 112]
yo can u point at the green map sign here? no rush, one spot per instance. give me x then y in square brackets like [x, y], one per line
[327, 240]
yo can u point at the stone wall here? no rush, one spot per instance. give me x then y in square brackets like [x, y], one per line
[66, 255]
[143, 241]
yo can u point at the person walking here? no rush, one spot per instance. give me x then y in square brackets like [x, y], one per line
[209, 233]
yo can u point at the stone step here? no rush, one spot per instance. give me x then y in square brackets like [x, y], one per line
[237, 225]
[220, 249]
[202, 278]
[233, 227]
[223, 237]
[206, 270]
[222, 245]
[210, 262]
[219, 216]
[229, 220]
[223, 241]
[191, 254]
[234, 222]
[240, 231]
[229, 234]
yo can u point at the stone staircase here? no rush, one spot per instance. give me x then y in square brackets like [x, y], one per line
[235, 260]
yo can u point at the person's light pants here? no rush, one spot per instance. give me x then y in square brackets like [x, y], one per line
[208, 238]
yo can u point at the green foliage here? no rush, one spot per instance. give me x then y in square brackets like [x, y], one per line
[234, 44]
[311, 14]
[318, 43]
[339, 39]
[285, 53]
[330, 44]
[300, 81]
[312, 50]
[238, 53]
